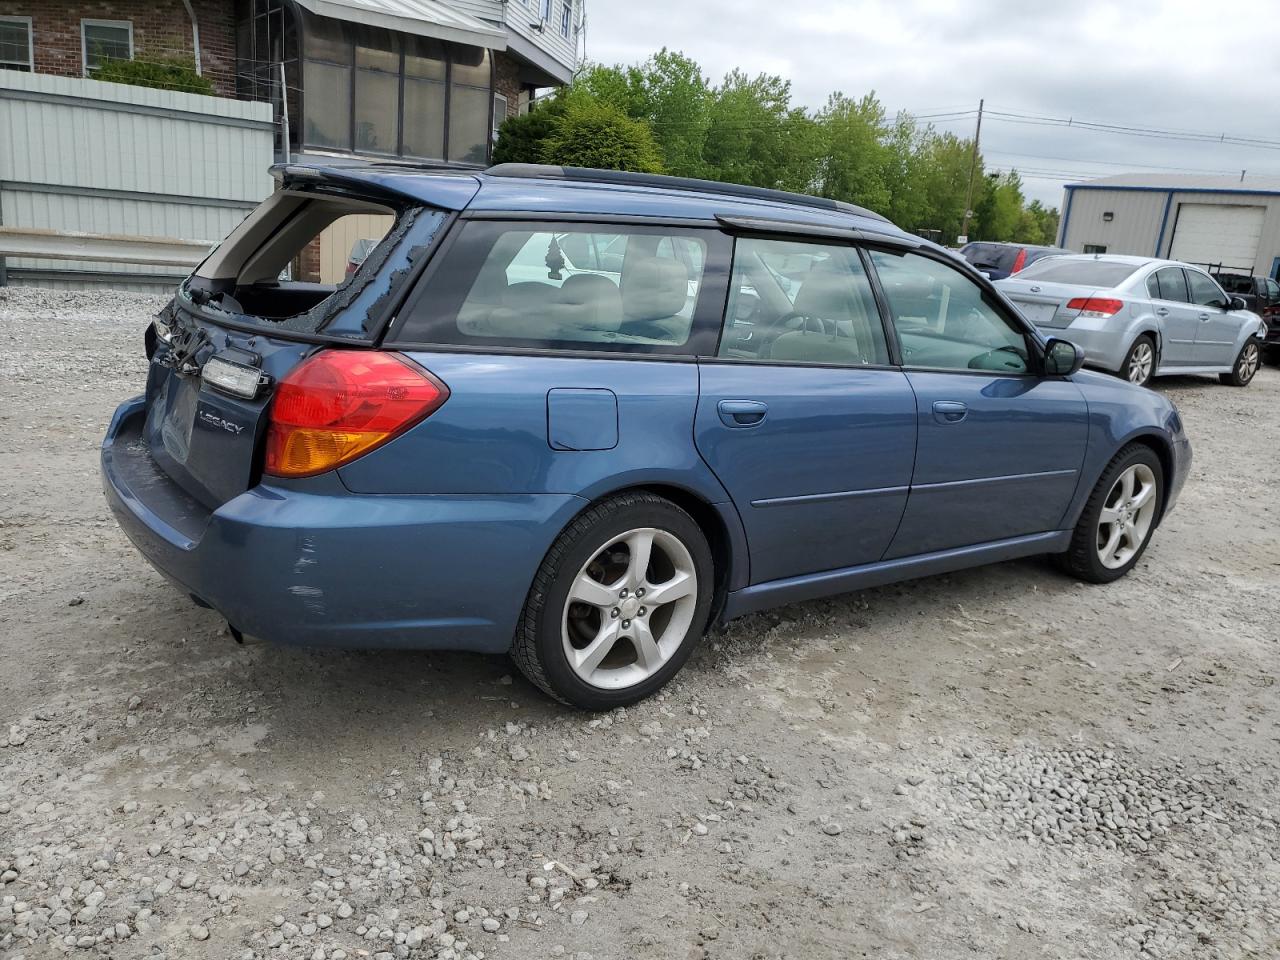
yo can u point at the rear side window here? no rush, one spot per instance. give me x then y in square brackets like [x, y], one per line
[571, 287]
[1170, 284]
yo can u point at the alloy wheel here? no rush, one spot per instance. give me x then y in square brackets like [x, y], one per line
[1140, 363]
[1127, 516]
[629, 608]
[1249, 361]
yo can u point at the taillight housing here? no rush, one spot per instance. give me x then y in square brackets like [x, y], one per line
[1019, 261]
[340, 404]
[1098, 307]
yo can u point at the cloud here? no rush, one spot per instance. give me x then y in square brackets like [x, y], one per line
[1167, 64]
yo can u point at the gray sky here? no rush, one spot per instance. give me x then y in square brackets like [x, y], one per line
[1166, 64]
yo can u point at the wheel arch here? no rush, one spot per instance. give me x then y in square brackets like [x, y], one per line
[1163, 449]
[718, 522]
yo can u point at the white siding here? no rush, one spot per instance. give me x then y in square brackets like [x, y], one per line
[523, 15]
[93, 157]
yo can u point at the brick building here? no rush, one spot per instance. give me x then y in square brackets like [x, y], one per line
[419, 79]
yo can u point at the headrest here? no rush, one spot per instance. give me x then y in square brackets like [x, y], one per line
[653, 288]
[827, 292]
[587, 301]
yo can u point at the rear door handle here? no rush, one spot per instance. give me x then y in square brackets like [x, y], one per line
[1162, 312]
[949, 411]
[1204, 316]
[742, 413]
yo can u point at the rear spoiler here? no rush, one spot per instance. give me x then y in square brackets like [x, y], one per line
[443, 186]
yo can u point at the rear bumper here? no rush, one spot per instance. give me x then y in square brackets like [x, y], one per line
[309, 563]
[1103, 348]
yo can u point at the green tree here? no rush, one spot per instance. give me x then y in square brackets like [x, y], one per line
[998, 211]
[594, 134]
[852, 165]
[754, 136]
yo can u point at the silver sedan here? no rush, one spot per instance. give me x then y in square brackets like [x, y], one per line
[1139, 317]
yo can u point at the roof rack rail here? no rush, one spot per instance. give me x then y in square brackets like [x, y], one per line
[627, 178]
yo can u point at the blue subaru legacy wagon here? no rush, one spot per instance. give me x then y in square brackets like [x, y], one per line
[580, 416]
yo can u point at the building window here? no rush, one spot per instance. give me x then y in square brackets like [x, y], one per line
[470, 103]
[377, 98]
[566, 17]
[103, 40]
[1095, 248]
[426, 75]
[16, 50]
[377, 91]
[499, 115]
[544, 6]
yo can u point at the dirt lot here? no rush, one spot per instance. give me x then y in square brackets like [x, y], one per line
[999, 763]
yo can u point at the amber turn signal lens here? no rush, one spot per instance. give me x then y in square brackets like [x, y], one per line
[340, 404]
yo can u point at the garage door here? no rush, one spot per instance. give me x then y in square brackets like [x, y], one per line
[1211, 233]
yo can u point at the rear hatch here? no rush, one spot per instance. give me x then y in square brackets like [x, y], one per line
[256, 308]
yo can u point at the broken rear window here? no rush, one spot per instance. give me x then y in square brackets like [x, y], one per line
[312, 262]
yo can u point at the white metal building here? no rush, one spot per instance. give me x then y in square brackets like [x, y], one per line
[1231, 222]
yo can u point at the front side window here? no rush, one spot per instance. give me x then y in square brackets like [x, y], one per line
[104, 40]
[1204, 291]
[944, 320]
[564, 287]
[796, 302]
[1273, 290]
[16, 51]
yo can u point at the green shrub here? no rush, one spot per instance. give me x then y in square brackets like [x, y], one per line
[520, 138]
[171, 74]
[594, 134]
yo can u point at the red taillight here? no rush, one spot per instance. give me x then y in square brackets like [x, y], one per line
[1096, 306]
[340, 404]
[1019, 261]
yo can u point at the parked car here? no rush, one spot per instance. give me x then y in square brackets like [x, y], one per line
[1139, 317]
[459, 449]
[1262, 296]
[1000, 260]
[360, 251]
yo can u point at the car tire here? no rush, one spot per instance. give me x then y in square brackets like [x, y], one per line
[1094, 556]
[1246, 366]
[587, 635]
[1140, 361]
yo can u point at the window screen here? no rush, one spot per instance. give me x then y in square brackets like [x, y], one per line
[15, 44]
[106, 40]
[565, 287]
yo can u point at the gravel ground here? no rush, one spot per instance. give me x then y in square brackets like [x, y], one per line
[998, 763]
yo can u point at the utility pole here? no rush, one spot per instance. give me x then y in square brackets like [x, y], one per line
[973, 169]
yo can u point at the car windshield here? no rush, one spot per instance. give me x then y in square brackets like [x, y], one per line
[1097, 273]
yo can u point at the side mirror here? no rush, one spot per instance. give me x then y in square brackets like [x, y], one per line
[1062, 358]
[1237, 303]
